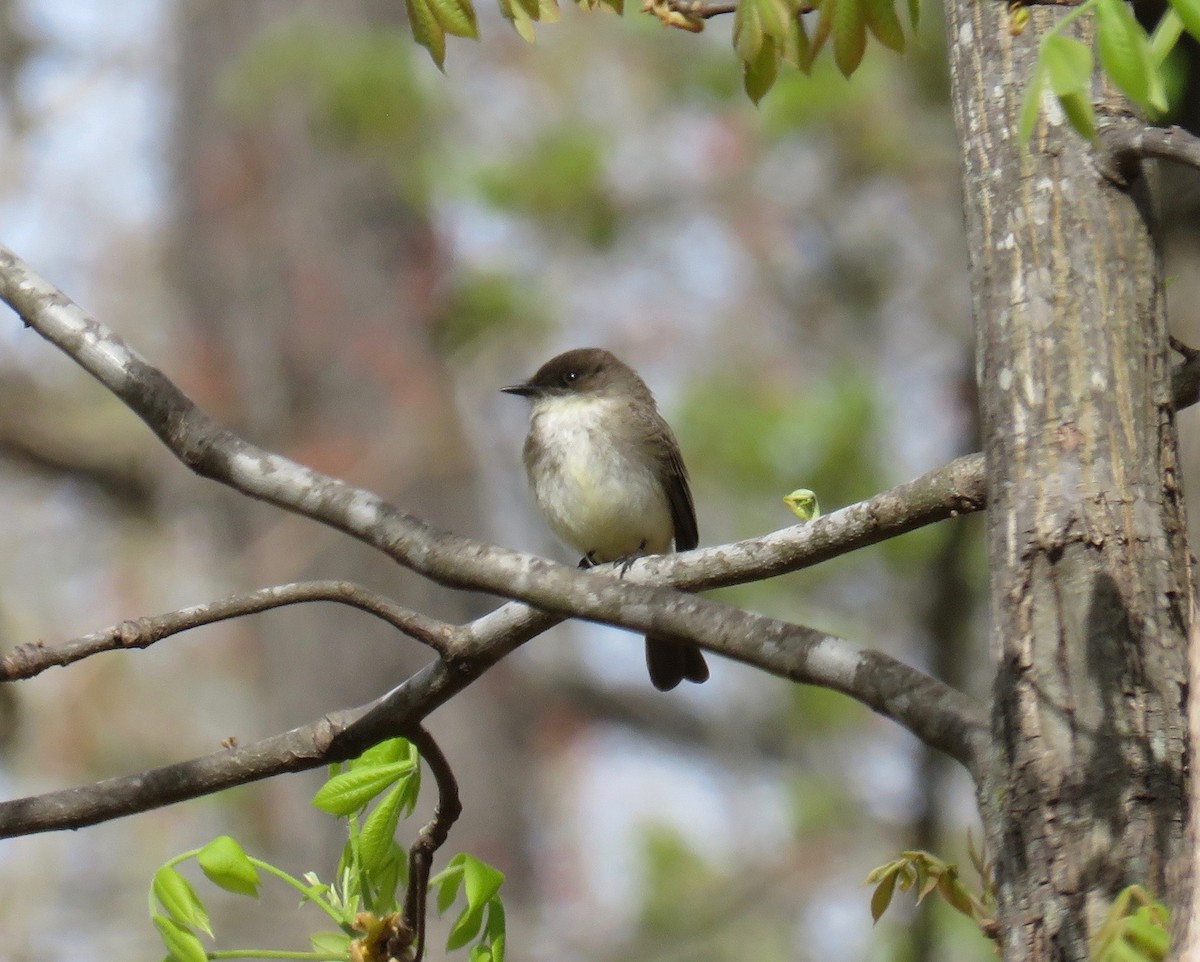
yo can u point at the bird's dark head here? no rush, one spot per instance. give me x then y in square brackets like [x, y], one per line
[585, 370]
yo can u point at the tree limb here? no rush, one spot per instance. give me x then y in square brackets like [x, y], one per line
[1123, 143]
[449, 559]
[949, 719]
[34, 658]
[936, 713]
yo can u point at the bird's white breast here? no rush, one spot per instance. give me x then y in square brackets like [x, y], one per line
[598, 497]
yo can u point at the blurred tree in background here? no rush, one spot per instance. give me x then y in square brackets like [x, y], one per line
[342, 254]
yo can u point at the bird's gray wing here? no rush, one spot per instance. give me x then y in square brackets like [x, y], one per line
[674, 479]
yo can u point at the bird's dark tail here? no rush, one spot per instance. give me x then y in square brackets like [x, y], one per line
[671, 662]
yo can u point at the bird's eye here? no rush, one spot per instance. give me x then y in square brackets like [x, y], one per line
[570, 377]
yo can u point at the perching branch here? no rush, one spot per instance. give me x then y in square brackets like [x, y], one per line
[796, 652]
[941, 716]
[34, 658]
[342, 735]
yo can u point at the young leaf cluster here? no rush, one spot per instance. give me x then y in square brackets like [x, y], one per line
[365, 900]
[1133, 60]
[768, 32]
[373, 865]
[482, 918]
[431, 20]
[925, 873]
[803, 504]
[1137, 929]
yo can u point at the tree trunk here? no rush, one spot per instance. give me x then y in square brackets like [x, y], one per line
[1086, 790]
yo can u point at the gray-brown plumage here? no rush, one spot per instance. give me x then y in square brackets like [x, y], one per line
[607, 474]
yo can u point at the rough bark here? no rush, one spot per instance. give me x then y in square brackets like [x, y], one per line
[1087, 551]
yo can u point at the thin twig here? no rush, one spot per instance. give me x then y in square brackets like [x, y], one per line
[691, 14]
[431, 837]
[32, 659]
[695, 8]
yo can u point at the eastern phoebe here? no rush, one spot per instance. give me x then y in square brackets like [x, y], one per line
[607, 474]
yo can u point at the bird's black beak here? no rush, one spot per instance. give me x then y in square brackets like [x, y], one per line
[521, 390]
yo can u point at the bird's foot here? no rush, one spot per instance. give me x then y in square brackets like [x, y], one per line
[624, 564]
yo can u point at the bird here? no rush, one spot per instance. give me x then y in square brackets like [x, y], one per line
[608, 476]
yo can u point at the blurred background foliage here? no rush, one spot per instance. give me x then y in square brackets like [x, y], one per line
[345, 254]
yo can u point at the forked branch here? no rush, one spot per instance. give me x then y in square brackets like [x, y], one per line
[936, 713]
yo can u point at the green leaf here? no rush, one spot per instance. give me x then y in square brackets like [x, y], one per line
[914, 12]
[1125, 55]
[315, 888]
[388, 879]
[928, 879]
[448, 881]
[496, 924]
[796, 48]
[386, 752]
[803, 504]
[849, 34]
[350, 791]
[1166, 34]
[957, 895]
[522, 23]
[758, 75]
[747, 31]
[180, 942]
[824, 27]
[410, 788]
[379, 831]
[880, 872]
[483, 881]
[881, 898]
[1119, 951]
[179, 900]
[774, 16]
[531, 7]
[1080, 113]
[1068, 64]
[481, 953]
[1031, 105]
[465, 928]
[1189, 13]
[226, 864]
[1148, 934]
[333, 943]
[499, 944]
[427, 31]
[884, 24]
